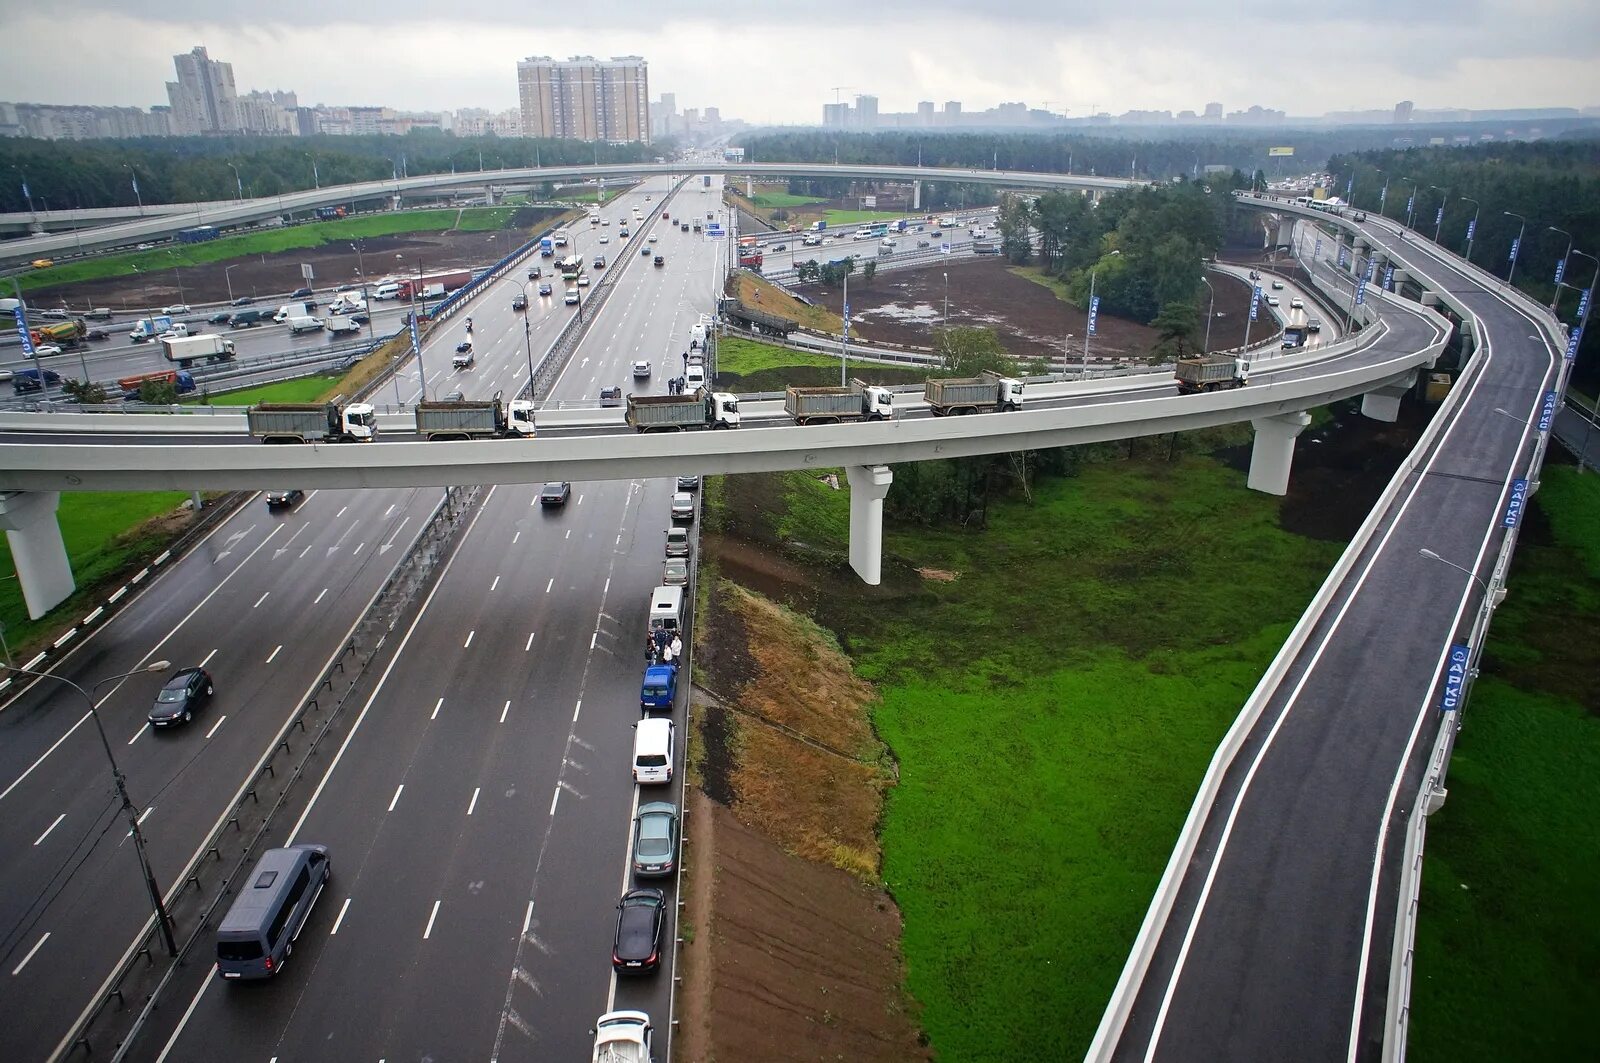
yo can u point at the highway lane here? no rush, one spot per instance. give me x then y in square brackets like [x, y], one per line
[1283, 922]
[532, 643]
[266, 626]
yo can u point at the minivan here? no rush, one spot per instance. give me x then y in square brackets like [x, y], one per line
[666, 608]
[652, 751]
[258, 933]
[386, 291]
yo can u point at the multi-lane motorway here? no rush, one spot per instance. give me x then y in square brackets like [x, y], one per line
[505, 641]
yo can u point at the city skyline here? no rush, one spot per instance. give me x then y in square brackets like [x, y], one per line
[1067, 59]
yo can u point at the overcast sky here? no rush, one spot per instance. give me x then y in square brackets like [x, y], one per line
[769, 62]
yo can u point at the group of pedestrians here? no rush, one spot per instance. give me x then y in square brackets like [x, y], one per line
[662, 646]
[676, 385]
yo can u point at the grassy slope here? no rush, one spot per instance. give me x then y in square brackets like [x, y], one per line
[313, 234]
[742, 356]
[305, 389]
[1127, 612]
[1508, 943]
[772, 200]
[92, 525]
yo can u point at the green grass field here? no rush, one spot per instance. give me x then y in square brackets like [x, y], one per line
[305, 389]
[743, 357]
[312, 234]
[775, 200]
[1052, 710]
[856, 217]
[95, 527]
[1507, 938]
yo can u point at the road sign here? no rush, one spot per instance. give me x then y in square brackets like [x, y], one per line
[1455, 676]
[1561, 270]
[1547, 412]
[1514, 504]
[22, 330]
[306, 272]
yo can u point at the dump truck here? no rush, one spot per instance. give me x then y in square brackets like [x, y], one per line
[622, 1037]
[759, 320]
[858, 402]
[986, 391]
[1211, 372]
[292, 422]
[673, 413]
[475, 419]
[186, 350]
[181, 382]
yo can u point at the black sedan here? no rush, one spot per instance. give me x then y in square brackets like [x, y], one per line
[637, 948]
[555, 493]
[243, 300]
[221, 318]
[178, 701]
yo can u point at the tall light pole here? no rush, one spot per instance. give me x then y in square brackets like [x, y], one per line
[945, 324]
[225, 271]
[527, 343]
[1561, 271]
[1093, 312]
[137, 197]
[237, 180]
[1411, 202]
[316, 178]
[1472, 226]
[1438, 220]
[156, 901]
[1516, 245]
[1211, 307]
[1383, 193]
[1584, 320]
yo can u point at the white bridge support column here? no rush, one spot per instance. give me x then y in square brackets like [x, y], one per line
[1273, 453]
[868, 485]
[916, 194]
[1384, 403]
[29, 519]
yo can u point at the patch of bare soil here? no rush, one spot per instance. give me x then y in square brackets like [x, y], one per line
[795, 951]
[906, 306]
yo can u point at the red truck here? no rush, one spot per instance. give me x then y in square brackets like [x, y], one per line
[432, 284]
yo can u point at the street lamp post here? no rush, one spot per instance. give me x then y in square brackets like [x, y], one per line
[945, 324]
[1565, 255]
[1438, 221]
[1211, 307]
[1383, 193]
[1088, 326]
[1584, 320]
[156, 901]
[1431, 556]
[237, 180]
[1516, 245]
[139, 198]
[1472, 226]
[1411, 201]
[527, 343]
[225, 276]
[316, 179]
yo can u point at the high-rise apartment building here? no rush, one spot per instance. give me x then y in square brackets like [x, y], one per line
[585, 98]
[866, 112]
[1402, 112]
[1213, 112]
[925, 112]
[203, 98]
[836, 115]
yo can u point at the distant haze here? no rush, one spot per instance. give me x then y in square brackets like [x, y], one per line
[770, 62]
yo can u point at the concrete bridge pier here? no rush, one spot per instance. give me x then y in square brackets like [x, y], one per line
[1384, 403]
[1270, 458]
[29, 519]
[916, 194]
[868, 485]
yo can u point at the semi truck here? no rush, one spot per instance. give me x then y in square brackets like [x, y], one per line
[293, 422]
[181, 382]
[1211, 372]
[750, 257]
[186, 350]
[148, 328]
[858, 402]
[622, 1037]
[673, 413]
[476, 419]
[986, 391]
[330, 213]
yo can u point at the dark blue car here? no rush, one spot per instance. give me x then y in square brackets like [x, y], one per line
[659, 687]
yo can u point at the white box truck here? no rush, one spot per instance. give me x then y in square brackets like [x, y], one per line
[186, 350]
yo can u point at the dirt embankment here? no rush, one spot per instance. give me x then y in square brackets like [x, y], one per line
[795, 949]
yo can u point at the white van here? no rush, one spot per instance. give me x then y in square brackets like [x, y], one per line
[666, 608]
[386, 291]
[695, 375]
[304, 324]
[652, 749]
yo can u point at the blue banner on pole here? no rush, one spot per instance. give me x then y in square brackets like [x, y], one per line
[1547, 412]
[1350, 188]
[1583, 303]
[416, 337]
[1411, 201]
[1388, 279]
[1514, 504]
[1455, 676]
[22, 330]
[1572, 345]
[1255, 302]
[1361, 293]
[1472, 227]
[1094, 313]
[1438, 217]
[1561, 270]
[1372, 264]
[1316, 252]
[1516, 242]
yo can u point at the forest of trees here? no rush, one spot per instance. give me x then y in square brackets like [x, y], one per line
[63, 174]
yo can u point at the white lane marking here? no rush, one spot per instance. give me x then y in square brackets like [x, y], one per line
[436, 707]
[207, 659]
[607, 586]
[339, 514]
[307, 550]
[142, 729]
[505, 710]
[473, 804]
[275, 653]
[359, 547]
[388, 511]
[471, 633]
[618, 542]
[395, 800]
[143, 660]
[553, 799]
[37, 946]
[577, 709]
[47, 831]
[592, 637]
[568, 535]
[515, 537]
[216, 726]
[580, 498]
[260, 600]
[527, 920]
[495, 584]
[318, 598]
[552, 583]
[337, 923]
[529, 644]
[431, 917]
